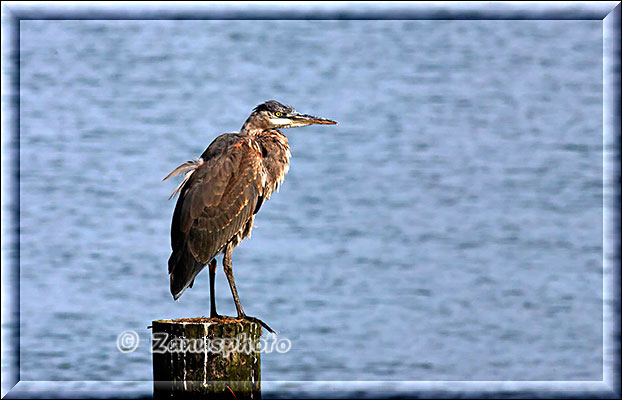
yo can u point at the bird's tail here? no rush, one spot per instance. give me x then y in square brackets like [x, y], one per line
[182, 268]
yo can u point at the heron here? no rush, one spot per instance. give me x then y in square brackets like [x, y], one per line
[221, 193]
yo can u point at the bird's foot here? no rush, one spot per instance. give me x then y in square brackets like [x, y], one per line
[256, 320]
[217, 316]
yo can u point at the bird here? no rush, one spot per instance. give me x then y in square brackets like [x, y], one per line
[222, 191]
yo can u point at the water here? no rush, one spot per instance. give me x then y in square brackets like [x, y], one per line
[450, 228]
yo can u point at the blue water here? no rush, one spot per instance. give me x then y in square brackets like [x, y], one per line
[449, 228]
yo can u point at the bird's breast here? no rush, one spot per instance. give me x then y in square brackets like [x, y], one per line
[275, 155]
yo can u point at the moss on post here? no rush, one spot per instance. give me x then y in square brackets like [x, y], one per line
[206, 358]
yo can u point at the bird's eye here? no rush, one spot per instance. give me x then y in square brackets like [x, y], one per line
[278, 114]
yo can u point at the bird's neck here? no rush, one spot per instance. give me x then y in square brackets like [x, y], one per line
[254, 125]
[254, 131]
[251, 131]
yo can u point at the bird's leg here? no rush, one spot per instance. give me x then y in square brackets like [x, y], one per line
[212, 292]
[228, 267]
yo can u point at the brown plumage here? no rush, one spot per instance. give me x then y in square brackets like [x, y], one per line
[223, 190]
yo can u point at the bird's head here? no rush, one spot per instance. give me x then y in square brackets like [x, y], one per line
[274, 115]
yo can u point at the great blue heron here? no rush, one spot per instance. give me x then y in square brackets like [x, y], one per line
[223, 190]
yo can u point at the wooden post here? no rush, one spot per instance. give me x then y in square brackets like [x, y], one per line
[206, 358]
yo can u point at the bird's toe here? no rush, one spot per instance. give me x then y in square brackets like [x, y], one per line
[258, 321]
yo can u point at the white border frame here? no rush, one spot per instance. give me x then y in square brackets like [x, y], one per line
[609, 11]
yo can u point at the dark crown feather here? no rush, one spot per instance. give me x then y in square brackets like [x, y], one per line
[273, 106]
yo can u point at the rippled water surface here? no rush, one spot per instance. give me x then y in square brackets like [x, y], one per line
[449, 228]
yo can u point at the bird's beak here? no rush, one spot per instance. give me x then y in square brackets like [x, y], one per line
[306, 119]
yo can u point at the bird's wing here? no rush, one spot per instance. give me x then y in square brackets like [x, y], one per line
[188, 167]
[219, 197]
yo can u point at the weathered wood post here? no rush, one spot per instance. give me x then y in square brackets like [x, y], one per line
[206, 358]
